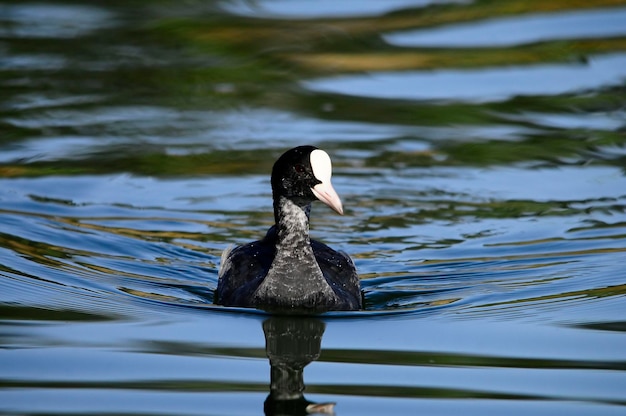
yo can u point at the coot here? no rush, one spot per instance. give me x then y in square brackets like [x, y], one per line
[286, 271]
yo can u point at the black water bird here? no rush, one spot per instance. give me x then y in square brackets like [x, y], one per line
[286, 271]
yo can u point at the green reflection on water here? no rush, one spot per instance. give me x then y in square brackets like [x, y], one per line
[228, 61]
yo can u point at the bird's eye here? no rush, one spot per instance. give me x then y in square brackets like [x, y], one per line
[299, 168]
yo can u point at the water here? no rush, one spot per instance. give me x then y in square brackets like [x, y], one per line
[479, 150]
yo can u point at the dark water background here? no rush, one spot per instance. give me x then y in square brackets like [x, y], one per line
[479, 148]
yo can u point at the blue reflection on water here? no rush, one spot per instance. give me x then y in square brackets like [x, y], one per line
[517, 30]
[480, 85]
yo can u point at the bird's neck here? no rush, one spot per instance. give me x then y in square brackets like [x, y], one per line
[294, 280]
[292, 223]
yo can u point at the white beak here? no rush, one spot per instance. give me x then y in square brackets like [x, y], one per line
[326, 193]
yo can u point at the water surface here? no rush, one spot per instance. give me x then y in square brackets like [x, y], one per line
[483, 178]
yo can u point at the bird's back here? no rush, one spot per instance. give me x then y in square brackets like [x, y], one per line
[340, 273]
[244, 268]
[242, 271]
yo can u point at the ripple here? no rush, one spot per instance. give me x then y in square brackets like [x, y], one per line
[480, 85]
[133, 128]
[285, 9]
[602, 121]
[34, 62]
[518, 30]
[52, 20]
[155, 242]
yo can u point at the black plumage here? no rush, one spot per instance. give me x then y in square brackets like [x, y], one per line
[286, 271]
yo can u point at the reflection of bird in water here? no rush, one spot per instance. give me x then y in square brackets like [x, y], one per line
[287, 271]
[291, 343]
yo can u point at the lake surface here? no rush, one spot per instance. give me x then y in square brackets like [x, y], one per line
[479, 149]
